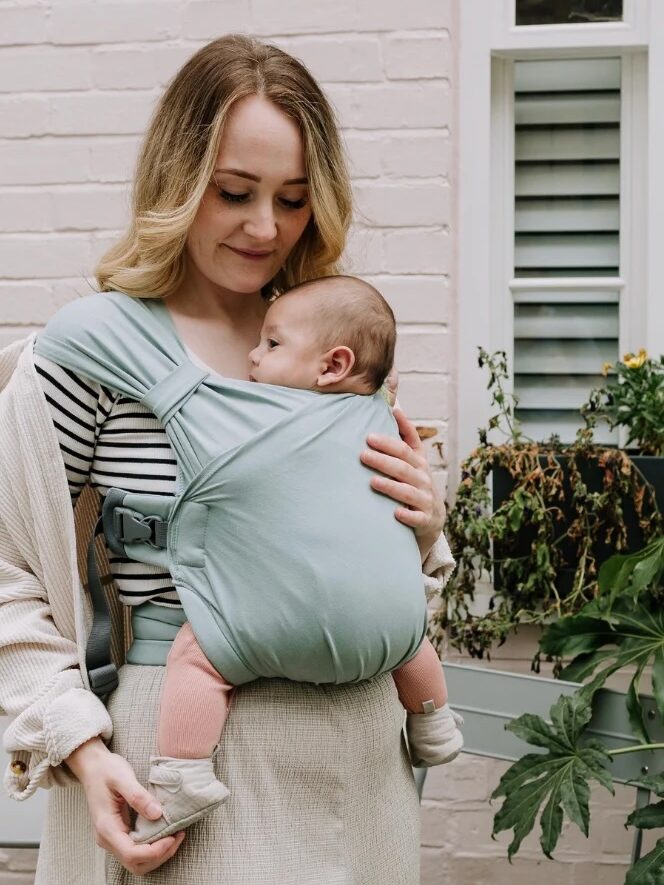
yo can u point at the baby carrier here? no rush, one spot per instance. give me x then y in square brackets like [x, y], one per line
[286, 562]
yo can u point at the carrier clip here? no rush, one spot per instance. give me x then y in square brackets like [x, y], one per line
[130, 526]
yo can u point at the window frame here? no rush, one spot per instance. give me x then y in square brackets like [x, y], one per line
[490, 41]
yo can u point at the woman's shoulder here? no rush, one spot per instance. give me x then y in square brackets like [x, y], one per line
[89, 314]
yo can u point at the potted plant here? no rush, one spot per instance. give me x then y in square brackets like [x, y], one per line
[622, 627]
[557, 511]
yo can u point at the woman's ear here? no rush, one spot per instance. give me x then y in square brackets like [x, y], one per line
[336, 365]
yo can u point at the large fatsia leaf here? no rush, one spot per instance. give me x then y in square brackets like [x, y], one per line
[629, 635]
[631, 574]
[556, 781]
[648, 817]
[649, 870]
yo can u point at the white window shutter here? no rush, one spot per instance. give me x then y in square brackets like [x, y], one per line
[567, 228]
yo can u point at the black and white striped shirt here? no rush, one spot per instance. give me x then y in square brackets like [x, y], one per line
[107, 440]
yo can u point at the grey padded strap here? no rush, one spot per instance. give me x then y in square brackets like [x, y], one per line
[102, 672]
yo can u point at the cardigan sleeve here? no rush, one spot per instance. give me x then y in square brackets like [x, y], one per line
[41, 684]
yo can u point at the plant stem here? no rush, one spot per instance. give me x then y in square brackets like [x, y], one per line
[621, 750]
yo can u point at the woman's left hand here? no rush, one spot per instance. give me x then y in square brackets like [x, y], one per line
[404, 474]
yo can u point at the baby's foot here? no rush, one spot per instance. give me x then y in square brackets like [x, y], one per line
[434, 738]
[186, 789]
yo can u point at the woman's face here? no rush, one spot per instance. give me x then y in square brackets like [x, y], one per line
[257, 205]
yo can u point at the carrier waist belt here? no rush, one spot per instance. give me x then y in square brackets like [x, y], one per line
[154, 628]
[286, 562]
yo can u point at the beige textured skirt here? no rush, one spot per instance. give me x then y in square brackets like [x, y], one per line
[321, 789]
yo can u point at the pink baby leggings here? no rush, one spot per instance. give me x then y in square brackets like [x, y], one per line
[195, 698]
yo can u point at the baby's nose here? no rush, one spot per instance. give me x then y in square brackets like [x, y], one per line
[253, 357]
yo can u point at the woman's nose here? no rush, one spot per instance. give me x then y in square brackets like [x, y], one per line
[261, 224]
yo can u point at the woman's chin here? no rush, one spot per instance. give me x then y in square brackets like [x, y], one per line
[243, 284]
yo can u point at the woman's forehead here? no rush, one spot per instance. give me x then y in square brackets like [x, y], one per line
[262, 140]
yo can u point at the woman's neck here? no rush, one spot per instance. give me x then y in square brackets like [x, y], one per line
[219, 327]
[198, 299]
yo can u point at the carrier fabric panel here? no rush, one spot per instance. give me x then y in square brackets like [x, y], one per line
[286, 561]
[567, 225]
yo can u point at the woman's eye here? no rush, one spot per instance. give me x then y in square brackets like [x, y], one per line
[233, 198]
[293, 204]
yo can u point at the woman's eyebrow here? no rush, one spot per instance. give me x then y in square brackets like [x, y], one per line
[242, 174]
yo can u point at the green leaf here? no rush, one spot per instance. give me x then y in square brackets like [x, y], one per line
[575, 795]
[647, 818]
[557, 780]
[649, 870]
[654, 783]
[634, 709]
[657, 680]
[632, 573]
[515, 516]
[534, 730]
[551, 823]
[630, 635]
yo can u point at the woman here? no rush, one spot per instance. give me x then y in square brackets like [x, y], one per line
[241, 190]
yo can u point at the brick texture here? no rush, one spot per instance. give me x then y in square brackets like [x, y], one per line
[78, 81]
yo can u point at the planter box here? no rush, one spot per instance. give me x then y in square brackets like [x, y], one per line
[652, 469]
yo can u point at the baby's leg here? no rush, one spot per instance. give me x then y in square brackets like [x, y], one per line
[194, 702]
[194, 705]
[420, 682]
[433, 729]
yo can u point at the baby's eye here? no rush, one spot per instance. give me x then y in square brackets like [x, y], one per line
[233, 198]
[293, 204]
[271, 343]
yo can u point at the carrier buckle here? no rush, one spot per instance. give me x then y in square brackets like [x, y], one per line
[130, 526]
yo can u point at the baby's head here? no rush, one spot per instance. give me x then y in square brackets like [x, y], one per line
[334, 335]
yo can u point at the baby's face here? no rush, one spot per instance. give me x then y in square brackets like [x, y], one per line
[288, 353]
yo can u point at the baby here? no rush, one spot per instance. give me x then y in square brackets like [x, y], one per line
[332, 335]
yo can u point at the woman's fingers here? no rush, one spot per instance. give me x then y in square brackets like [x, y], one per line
[404, 474]
[141, 859]
[408, 431]
[395, 467]
[395, 448]
[138, 798]
[418, 500]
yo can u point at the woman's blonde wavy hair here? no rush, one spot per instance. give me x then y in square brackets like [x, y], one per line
[178, 156]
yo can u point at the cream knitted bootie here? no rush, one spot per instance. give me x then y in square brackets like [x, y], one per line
[186, 789]
[434, 738]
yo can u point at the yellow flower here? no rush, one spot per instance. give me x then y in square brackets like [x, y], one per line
[606, 368]
[635, 362]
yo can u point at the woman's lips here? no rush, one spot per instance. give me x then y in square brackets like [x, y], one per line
[249, 254]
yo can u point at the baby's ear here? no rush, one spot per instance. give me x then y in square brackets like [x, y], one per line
[337, 365]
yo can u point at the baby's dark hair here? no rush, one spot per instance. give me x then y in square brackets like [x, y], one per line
[351, 312]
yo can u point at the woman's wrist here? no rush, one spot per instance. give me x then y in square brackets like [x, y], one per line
[86, 758]
[425, 544]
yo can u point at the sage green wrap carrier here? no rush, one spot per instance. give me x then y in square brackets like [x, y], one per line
[285, 560]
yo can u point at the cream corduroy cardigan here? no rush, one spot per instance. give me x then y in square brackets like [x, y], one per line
[45, 614]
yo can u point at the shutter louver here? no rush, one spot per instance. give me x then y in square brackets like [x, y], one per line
[567, 228]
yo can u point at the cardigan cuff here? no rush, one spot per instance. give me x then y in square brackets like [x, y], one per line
[69, 721]
[437, 567]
